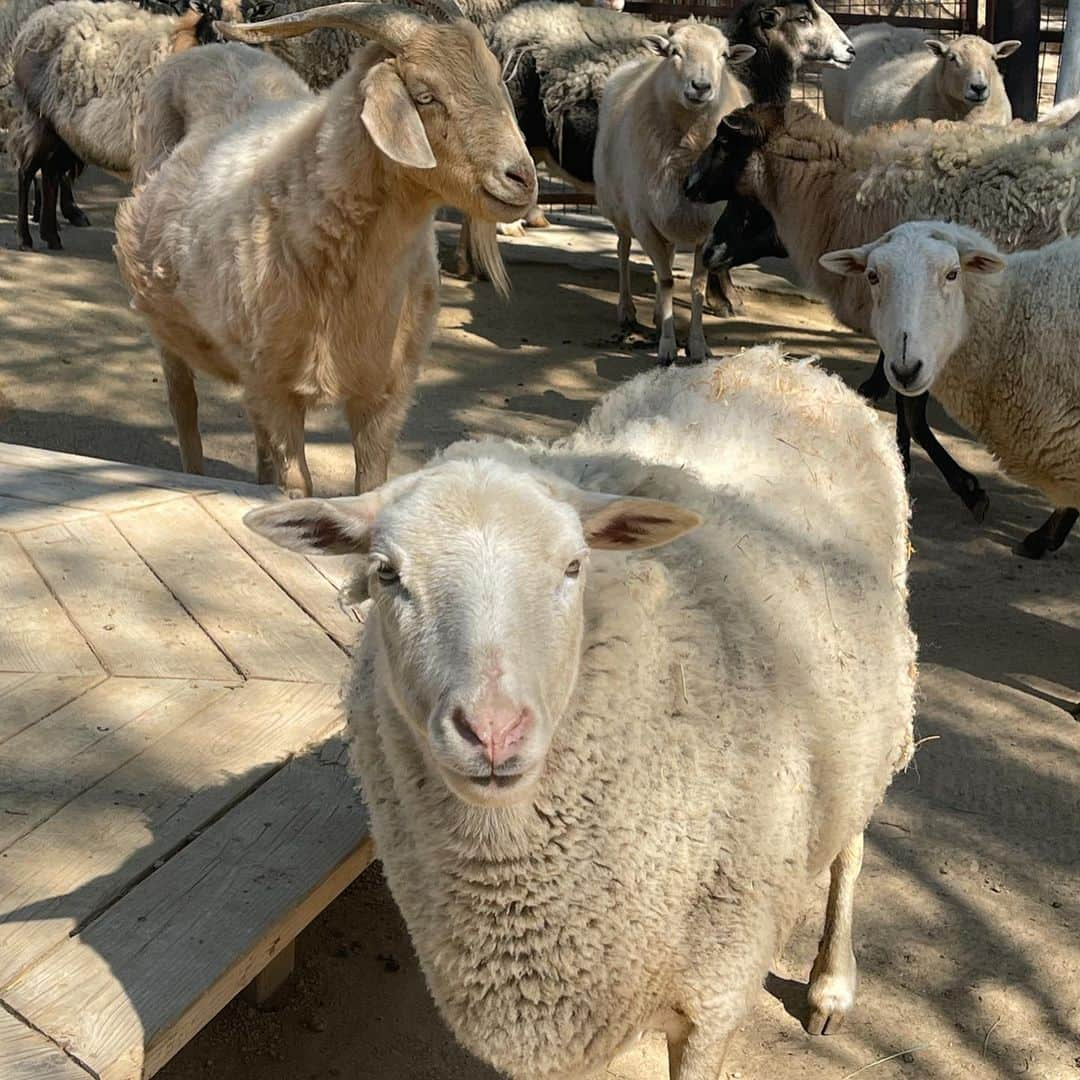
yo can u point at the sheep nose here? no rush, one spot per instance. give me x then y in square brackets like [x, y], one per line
[905, 374]
[702, 86]
[496, 724]
[978, 89]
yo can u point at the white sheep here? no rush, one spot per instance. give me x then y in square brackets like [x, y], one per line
[656, 116]
[900, 74]
[79, 72]
[604, 775]
[293, 250]
[827, 189]
[996, 338]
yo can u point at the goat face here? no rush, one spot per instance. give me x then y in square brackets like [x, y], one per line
[443, 95]
[802, 30]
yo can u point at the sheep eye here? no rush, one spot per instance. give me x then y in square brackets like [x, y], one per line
[805, 20]
[953, 274]
[573, 569]
[387, 575]
[872, 277]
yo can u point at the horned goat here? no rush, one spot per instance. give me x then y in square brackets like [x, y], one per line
[900, 74]
[564, 731]
[826, 189]
[293, 251]
[656, 116]
[994, 338]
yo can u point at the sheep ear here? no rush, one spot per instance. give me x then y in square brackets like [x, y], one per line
[981, 262]
[938, 48]
[656, 44]
[621, 523]
[848, 261]
[1006, 48]
[739, 54]
[392, 121]
[318, 526]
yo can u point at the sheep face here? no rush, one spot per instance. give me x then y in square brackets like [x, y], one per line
[696, 56]
[916, 275]
[722, 171]
[476, 573]
[965, 68]
[440, 108]
[802, 30]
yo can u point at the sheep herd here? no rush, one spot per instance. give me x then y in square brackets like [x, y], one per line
[596, 700]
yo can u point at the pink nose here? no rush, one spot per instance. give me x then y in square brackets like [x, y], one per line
[496, 723]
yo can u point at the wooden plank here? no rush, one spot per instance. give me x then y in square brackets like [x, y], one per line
[310, 589]
[255, 623]
[134, 624]
[27, 1055]
[125, 994]
[101, 488]
[49, 764]
[90, 852]
[25, 699]
[35, 634]
[19, 514]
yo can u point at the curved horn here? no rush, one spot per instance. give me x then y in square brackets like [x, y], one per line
[448, 9]
[388, 24]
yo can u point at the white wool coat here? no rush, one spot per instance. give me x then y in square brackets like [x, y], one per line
[745, 697]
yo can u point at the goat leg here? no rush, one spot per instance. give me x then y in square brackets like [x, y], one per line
[1050, 535]
[960, 480]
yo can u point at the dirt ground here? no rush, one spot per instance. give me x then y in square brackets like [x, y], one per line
[969, 905]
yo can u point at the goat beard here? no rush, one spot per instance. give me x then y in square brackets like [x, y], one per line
[484, 248]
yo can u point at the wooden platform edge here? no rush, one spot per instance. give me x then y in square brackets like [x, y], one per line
[25, 1054]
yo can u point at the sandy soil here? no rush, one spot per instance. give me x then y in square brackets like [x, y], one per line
[969, 903]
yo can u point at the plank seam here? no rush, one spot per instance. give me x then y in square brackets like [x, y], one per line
[45, 1035]
[62, 705]
[191, 614]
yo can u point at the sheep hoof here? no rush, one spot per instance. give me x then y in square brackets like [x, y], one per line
[698, 353]
[26, 244]
[1031, 547]
[980, 506]
[78, 219]
[667, 353]
[53, 243]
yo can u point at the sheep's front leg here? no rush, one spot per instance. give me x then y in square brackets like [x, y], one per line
[68, 207]
[832, 978]
[627, 309]
[662, 253]
[697, 348]
[184, 407]
[374, 433]
[695, 1057]
[50, 194]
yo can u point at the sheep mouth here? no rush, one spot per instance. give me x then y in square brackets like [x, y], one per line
[977, 98]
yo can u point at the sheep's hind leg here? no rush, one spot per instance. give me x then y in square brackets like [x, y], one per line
[627, 309]
[960, 480]
[1050, 535]
[184, 406]
[662, 253]
[697, 348]
[832, 979]
[71, 210]
[692, 1057]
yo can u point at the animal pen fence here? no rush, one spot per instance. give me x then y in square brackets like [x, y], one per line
[1031, 75]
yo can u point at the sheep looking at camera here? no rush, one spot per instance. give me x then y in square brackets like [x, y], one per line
[293, 249]
[994, 338]
[900, 74]
[656, 117]
[603, 779]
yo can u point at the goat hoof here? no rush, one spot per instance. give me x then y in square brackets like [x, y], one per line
[78, 219]
[536, 219]
[821, 1022]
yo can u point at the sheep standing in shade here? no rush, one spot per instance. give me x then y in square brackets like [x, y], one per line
[614, 711]
[900, 74]
[656, 117]
[996, 338]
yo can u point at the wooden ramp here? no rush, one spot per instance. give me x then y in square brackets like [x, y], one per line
[174, 806]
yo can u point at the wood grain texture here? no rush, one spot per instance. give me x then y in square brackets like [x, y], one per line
[165, 958]
[26, 699]
[94, 848]
[35, 633]
[134, 624]
[27, 1055]
[251, 618]
[19, 514]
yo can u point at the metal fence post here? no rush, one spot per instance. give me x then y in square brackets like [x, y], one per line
[1068, 82]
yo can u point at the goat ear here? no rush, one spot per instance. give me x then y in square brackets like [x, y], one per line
[850, 262]
[938, 48]
[621, 523]
[656, 43]
[318, 526]
[981, 262]
[739, 54]
[392, 121]
[1006, 48]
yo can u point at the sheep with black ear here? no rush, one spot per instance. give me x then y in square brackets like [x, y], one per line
[291, 248]
[656, 117]
[614, 709]
[900, 74]
[995, 338]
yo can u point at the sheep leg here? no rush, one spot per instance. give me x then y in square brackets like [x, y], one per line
[374, 434]
[692, 1057]
[903, 437]
[50, 194]
[722, 297]
[1050, 535]
[68, 207]
[960, 480]
[627, 309]
[877, 386]
[697, 348]
[832, 978]
[661, 253]
[184, 407]
[35, 214]
[27, 175]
